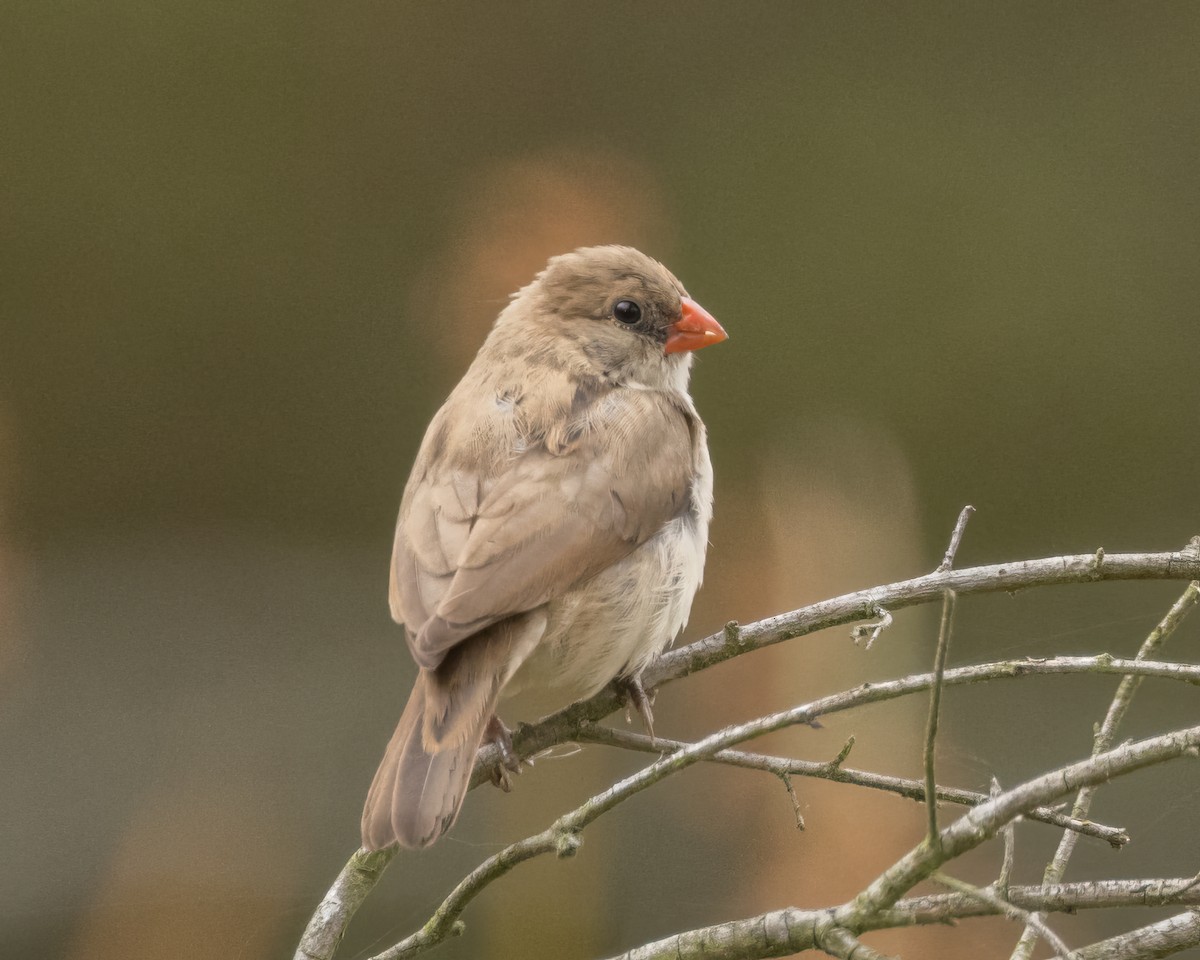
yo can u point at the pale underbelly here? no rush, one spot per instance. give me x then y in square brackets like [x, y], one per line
[618, 621]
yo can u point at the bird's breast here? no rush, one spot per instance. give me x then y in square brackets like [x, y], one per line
[618, 621]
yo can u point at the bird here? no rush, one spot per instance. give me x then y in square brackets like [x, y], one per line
[553, 530]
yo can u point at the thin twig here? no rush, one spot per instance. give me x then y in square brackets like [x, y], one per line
[330, 918]
[445, 921]
[939, 671]
[1057, 898]
[530, 739]
[834, 771]
[870, 632]
[1009, 833]
[935, 708]
[956, 538]
[565, 725]
[783, 932]
[809, 712]
[1102, 740]
[985, 821]
[791, 792]
[1002, 906]
[964, 834]
[863, 605]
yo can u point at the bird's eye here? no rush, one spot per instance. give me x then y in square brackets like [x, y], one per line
[627, 311]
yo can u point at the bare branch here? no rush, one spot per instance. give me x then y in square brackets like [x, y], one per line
[1101, 741]
[834, 771]
[995, 900]
[806, 713]
[782, 932]
[969, 831]
[939, 670]
[956, 538]
[1146, 943]
[349, 890]
[565, 725]
[840, 942]
[357, 878]
[986, 820]
[1057, 898]
[445, 923]
[779, 933]
[1009, 834]
[935, 697]
[863, 605]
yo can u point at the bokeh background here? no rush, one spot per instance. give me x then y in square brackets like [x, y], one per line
[248, 247]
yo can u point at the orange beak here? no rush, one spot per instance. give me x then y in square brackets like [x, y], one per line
[695, 329]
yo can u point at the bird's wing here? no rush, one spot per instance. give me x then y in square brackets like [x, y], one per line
[564, 510]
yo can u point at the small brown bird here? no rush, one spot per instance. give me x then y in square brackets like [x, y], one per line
[553, 530]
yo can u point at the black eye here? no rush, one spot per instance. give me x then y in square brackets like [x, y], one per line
[627, 311]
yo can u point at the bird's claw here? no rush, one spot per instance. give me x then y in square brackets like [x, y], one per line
[496, 732]
[636, 696]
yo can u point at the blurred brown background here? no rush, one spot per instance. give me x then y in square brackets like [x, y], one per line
[247, 248]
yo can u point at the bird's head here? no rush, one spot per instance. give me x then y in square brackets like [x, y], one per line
[628, 313]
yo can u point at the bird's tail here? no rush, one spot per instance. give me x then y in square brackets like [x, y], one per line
[418, 789]
[423, 778]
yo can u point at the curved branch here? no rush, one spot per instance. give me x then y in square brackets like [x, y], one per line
[1102, 739]
[985, 821]
[564, 830]
[358, 877]
[834, 771]
[993, 898]
[839, 942]
[863, 605]
[445, 923]
[976, 826]
[1146, 943]
[1055, 898]
[854, 607]
[780, 932]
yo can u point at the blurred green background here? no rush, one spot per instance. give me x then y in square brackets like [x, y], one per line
[247, 248]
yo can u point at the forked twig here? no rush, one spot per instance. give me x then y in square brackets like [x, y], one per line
[1102, 740]
[362, 872]
[834, 771]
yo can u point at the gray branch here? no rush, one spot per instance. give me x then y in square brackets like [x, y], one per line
[359, 876]
[1055, 898]
[780, 932]
[834, 770]
[1102, 740]
[1146, 943]
[972, 829]
[983, 822]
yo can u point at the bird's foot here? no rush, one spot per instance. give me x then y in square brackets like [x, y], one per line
[496, 732]
[636, 696]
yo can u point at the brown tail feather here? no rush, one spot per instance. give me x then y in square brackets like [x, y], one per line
[422, 780]
[416, 794]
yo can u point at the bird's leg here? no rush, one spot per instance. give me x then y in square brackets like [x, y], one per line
[631, 688]
[496, 732]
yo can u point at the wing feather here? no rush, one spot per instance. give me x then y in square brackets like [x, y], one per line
[556, 516]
